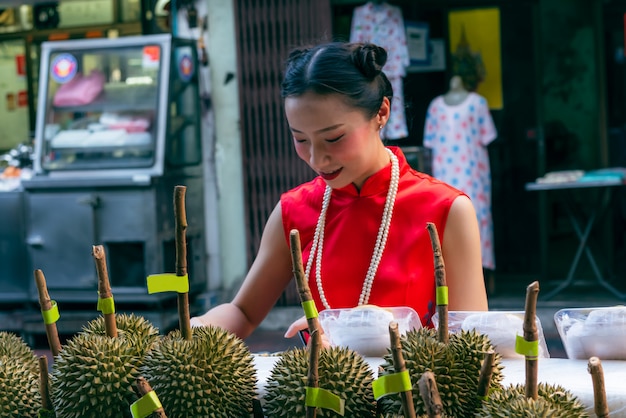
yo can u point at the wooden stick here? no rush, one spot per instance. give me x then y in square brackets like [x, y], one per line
[143, 388]
[314, 328]
[430, 395]
[104, 288]
[486, 371]
[44, 384]
[181, 259]
[46, 304]
[601, 407]
[531, 334]
[399, 367]
[440, 281]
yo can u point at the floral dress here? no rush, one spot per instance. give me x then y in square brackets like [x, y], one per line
[458, 136]
[383, 25]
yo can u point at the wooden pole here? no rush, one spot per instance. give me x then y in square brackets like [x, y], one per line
[44, 386]
[143, 388]
[601, 407]
[530, 335]
[104, 288]
[399, 367]
[486, 371]
[430, 395]
[181, 259]
[440, 282]
[46, 304]
[314, 328]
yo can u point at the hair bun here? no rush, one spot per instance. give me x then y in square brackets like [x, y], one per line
[369, 59]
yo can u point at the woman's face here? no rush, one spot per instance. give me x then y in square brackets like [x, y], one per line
[337, 141]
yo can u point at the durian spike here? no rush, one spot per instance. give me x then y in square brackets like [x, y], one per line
[601, 407]
[530, 335]
[486, 371]
[399, 367]
[104, 287]
[181, 258]
[440, 282]
[46, 304]
[44, 387]
[314, 327]
[430, 395]
[143, 388]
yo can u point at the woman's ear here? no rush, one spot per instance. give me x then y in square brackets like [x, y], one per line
[384, 111]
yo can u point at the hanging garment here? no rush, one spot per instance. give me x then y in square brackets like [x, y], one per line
[383, 25]
[458, 136]
[405, 274]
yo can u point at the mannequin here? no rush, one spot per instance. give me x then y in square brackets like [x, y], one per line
[458, 129]
[457, 93]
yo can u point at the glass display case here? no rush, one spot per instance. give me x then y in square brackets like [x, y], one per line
[116, 107]
[118, 127]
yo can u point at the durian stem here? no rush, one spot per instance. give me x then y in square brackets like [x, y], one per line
[181, 259]
[104, 287]
[143, 388]
[430, 395]
[601, 407]
[440, 282]
[44, 387]
[530, 335]
[314, 328]
[46, 304]
[486, 371]
[399, 367]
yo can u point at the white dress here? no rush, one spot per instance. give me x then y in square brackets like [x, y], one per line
[458, 136]
[383, 25]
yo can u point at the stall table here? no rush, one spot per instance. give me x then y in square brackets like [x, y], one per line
[582, 225]
[570, 374]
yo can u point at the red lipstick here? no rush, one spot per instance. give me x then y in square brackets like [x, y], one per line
[331, 176]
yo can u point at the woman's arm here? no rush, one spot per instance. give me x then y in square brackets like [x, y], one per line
[462, 258]
[269, 275]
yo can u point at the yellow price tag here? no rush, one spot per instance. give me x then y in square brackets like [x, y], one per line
[167, 282]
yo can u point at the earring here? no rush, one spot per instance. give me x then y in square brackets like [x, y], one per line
[380, 127]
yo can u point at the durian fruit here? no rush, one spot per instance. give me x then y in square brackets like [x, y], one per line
[93, 377]
[341, 371]
[16, 348]
[19, 378]
[553, 401]
[135, 329]
[456, 367]
[210, 375]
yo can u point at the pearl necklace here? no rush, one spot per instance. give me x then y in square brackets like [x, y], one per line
[381, 239]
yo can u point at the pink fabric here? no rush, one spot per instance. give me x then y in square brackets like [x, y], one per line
[80, 90]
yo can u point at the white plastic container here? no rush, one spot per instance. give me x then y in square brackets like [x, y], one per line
[502, 328]
[588, 332]
[365, 329]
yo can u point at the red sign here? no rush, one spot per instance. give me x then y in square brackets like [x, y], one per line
[22, 98]
[20, 64]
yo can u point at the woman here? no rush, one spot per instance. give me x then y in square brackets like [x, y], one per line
[362, 221]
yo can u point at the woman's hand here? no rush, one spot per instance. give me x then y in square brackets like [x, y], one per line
[301, 324]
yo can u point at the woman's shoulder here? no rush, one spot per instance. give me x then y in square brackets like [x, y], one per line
[312, 189]
[422, 185]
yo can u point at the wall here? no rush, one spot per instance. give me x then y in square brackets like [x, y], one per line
[222, 52]
[570, 88]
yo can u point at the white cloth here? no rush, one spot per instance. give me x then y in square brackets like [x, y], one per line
[458, 136]
[383, 25]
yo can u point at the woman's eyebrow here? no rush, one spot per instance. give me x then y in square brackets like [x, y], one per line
[329, 128]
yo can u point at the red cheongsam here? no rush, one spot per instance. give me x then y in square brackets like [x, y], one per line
[405, 276]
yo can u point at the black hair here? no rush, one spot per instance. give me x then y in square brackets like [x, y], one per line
[353, 70]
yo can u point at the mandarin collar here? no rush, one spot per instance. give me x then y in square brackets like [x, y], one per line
[377, 182]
